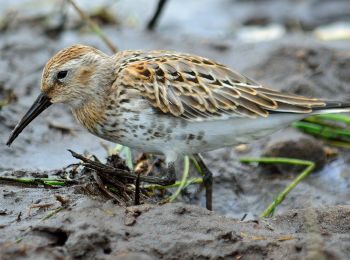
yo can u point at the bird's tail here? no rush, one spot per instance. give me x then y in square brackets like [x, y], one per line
[332, 107]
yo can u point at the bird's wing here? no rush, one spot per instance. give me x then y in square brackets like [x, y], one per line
[197, 88]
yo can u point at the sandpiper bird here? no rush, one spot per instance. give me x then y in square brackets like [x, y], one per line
[166, 102]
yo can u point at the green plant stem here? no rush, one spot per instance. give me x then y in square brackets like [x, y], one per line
[183, 179]
[128, 157]
[281, 196]
[333, 123]
[333, 117]
[117, 149]
[18, 240]
[52, 213]
[323, 131]
[39, 181]
[339, 144]
[196, 165]
[327, 127]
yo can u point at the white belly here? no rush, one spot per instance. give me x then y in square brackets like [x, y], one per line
[157, 133]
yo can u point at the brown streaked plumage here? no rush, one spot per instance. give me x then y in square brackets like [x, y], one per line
[166, 102]
[195, 88]
[66, 55]
[89, 115]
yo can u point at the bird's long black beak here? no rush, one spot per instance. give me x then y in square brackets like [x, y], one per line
[40, 104]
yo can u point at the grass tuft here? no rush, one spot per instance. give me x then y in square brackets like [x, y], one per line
[310, 166]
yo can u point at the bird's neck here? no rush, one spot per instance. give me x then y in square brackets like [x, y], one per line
[91, 111]
[90, 114]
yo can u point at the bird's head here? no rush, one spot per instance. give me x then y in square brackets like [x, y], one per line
[74, 76]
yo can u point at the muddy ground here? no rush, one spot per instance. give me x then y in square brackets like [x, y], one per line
[313, 222]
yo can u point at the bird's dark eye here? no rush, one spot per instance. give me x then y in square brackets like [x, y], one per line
[61, 74]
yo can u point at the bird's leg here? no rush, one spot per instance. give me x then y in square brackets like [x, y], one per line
[207, 181]
[170, 175]
[137, 190]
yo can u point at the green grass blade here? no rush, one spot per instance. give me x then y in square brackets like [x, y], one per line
[282, 195]
[183, 179]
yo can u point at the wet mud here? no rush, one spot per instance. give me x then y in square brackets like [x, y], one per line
[312, 222]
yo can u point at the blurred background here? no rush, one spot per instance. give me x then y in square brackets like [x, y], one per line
[299, 46]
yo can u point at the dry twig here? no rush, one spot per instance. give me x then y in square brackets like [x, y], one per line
[94, 27]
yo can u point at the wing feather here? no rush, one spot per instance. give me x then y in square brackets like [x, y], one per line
[196, 88]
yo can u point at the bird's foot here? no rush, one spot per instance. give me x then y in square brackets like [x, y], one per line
[207, 181]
